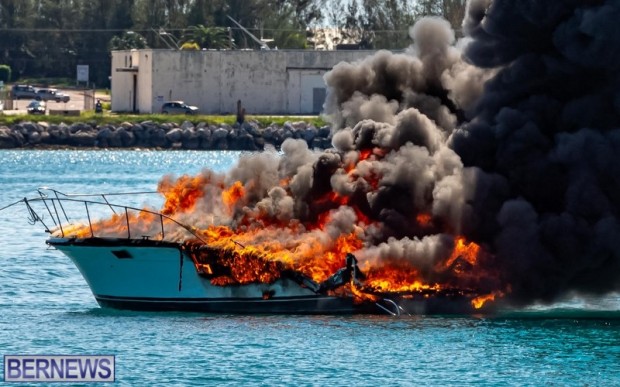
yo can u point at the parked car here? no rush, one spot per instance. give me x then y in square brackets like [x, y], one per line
[51, 95]
[23, 91]
[36, 107]
[178, 107]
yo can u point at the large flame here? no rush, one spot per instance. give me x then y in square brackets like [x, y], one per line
[458, 167]
[236, 241]
[181, 195]
[233, 194]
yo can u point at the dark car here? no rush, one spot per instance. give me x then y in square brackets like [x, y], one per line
[36, 107]
[51, 95]
[178, 107]
[23, 91]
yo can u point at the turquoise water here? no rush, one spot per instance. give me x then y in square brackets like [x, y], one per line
[47, 308]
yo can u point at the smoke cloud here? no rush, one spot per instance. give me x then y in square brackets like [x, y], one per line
[548, 124]
[488, 163]
[508, 136]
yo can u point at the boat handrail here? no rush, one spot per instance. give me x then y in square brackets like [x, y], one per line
[54, 207]
[42, 189]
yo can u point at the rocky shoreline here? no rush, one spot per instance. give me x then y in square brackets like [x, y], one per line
[147, 134]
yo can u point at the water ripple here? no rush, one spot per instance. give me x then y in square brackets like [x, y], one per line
[47, 308]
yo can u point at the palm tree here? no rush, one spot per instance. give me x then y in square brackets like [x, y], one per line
[209, 37]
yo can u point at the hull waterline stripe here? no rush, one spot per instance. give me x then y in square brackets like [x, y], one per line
[216, 300]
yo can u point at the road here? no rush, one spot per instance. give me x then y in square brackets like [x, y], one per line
[76, 102]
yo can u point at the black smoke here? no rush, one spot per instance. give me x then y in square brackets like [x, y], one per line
[510, 136]
[548, 123]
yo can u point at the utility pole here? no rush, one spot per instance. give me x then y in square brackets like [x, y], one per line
[263, 45]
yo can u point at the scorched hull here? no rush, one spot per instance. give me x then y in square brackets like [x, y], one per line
[280, 305]
[157, 276]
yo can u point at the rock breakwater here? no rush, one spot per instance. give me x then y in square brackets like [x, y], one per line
[147, 134]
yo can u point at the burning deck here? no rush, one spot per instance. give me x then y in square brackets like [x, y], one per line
[172, 266]
[230, 268]
[143, 274]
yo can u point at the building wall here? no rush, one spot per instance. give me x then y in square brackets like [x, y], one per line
[121, 81]
[145, 77]
[131, 75]
[266, 82]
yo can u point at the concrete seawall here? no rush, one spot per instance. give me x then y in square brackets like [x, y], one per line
[147, 134]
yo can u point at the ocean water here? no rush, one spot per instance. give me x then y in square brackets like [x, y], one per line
[47, 308]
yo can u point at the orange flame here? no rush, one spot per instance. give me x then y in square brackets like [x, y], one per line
[309, 256]
[464, 250]
[182, 194]
[479, 301]
[365, 154]
[423, 219]
[232, 195]
[256, 245]
[398, 278]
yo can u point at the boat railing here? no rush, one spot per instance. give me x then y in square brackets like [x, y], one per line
[56, 203]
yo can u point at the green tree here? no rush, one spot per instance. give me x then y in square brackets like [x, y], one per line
[5, 73]
[286, 30]
[385, 24]
[451, 10]
[48, 38]
[454, 12]
[99, 22]
[209, 37]
[15, 19]
[150, 16]
[284, 21]
[55, 51]
[127, 41]
[203, 12]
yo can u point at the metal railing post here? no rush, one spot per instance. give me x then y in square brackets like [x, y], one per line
[106, 200]
[128, 228]
[161, 221]
[62, 231]
[90, 224]
[61, 207]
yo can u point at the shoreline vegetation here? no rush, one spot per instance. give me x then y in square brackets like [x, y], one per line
[91, 131]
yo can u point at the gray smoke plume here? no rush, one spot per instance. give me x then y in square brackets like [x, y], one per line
[509, 136]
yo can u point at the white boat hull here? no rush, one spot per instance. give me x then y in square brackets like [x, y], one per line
[152, 275]
[145, 274]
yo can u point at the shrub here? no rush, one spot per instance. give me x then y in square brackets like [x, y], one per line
[5, 73]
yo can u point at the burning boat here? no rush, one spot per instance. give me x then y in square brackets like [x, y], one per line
[461, 172]
[127, 269]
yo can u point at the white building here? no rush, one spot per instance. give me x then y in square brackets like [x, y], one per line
[266, 82]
